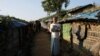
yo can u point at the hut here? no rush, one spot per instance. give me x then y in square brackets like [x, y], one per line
[84, 30]
[16, 36]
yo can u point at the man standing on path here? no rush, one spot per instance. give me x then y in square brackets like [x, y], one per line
[55, 29]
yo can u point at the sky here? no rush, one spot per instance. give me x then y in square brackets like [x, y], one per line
[31, 9]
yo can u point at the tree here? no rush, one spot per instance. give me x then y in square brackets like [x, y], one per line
[48, 7]
[54, 5]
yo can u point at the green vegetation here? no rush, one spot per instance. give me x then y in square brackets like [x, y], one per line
[54, 5]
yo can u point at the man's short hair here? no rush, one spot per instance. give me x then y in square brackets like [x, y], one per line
[56, 18]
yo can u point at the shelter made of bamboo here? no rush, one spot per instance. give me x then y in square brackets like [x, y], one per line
[85, 30]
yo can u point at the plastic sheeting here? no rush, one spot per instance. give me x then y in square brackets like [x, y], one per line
[16, 23]
[88, 15]
[1, 29]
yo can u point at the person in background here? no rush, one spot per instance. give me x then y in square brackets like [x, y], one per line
[38, 25]
[55, 29]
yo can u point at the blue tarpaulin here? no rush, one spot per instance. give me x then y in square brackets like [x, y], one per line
[15, 23]
[88, 15]
[1, 29]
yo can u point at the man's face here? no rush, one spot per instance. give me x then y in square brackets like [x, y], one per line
[54, 19]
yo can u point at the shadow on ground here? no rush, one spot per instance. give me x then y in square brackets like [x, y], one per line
[66, 50]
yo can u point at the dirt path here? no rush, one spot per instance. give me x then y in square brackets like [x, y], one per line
[41, 45]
